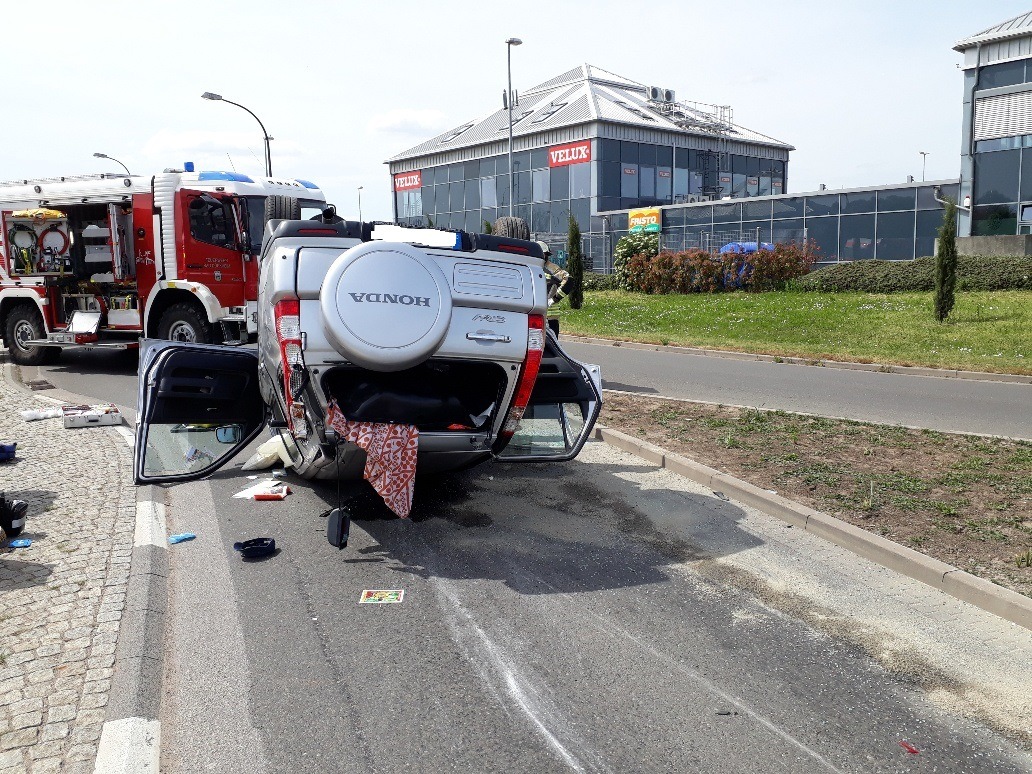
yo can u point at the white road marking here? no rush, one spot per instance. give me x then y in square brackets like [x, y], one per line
[129, 746]
[150, 524]
[607, 625]
[127, 434]
[517, 686]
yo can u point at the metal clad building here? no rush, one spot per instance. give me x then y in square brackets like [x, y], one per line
[996, 152]
[584, 142]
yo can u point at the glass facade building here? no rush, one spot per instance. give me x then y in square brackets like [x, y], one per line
[996, 155]
[584, 143]
[889, 222]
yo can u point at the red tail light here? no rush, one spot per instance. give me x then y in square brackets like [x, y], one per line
[528, 374]
[288, 335]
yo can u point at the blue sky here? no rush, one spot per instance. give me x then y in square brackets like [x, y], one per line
[858, 88]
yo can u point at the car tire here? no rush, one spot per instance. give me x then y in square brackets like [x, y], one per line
[282, 208]
[508, 226]
[24, 323]
[185, 323]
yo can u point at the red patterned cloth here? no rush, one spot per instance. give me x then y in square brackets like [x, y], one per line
[390, 456]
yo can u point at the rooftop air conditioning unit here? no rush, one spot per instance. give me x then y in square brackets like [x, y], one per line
[655, 94]
[669, 96]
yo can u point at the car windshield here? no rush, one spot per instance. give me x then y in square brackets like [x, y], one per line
[256, 217]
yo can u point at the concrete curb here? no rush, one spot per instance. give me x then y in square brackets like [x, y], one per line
[130, 737]
[942, 373]
[961, 585]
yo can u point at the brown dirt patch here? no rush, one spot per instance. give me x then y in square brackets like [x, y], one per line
[962, 499]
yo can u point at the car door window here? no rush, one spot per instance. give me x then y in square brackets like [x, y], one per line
[200, 406]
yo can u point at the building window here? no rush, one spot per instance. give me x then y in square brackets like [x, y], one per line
[629, 181]
[521, 188]
[898, 199]
[550, 111]
[895, 236]
[560, 182]
[1000, 219]
[664, 184]
[822, 205]
[647, 182]
[609, 179]
[824, 231]
[488, 196]
[856, 237]
[457, 132]
[996, 177]
[1005, 74]
[580, 180]
[539, 180]
[860, 201]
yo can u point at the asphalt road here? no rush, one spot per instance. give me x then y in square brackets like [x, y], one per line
[555, 618]
[594, 616]
[951, 405]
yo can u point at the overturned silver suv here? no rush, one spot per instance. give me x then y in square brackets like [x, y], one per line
[442, 331]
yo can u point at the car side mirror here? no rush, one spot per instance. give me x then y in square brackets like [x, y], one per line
[228, 434]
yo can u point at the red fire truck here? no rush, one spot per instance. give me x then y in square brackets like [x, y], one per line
[99, 261]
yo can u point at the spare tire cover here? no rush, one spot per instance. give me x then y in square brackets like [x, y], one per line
[385, 306]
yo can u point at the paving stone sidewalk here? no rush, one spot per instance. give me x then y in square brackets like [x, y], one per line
[61, 599]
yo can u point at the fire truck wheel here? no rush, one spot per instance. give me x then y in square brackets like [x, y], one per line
[185, 323]
[24, 324]
[282, 208]
[507, 226]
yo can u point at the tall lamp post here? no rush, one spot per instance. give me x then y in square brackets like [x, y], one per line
[508, 100]
[360, 204]
[110, 158]
[924, 158]
[268, 153]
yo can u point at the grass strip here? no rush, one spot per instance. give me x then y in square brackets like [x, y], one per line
[988, 331]
[962, 499]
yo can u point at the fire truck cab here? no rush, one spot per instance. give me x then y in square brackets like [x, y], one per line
[100, 261]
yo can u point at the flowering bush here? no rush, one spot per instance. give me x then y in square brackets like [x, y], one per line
[697, 271]
[629, 246]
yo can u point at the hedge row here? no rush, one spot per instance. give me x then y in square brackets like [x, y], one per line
[871, 276]
[698, 271]
[594, 281]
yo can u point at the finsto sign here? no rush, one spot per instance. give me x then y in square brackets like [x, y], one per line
[650, 220]
[406, 181]
[573, 153]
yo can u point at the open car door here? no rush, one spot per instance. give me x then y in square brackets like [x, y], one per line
[562, 410]
[199, 405]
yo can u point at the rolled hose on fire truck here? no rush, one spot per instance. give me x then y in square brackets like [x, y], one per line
[26, 253]
[54, 228]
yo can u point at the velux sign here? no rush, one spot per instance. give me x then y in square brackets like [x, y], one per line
[406, 181]
[650, 221]
[573, 153]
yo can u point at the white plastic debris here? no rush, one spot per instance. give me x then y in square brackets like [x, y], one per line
[266, 487]
[268, 454]
[33, 414]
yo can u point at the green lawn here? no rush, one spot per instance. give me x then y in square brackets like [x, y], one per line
[987, 331]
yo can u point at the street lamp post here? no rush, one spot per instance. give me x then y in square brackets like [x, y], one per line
[508, 52]
[105, 156]
[360, 204]
[924, 158]
[268, 152]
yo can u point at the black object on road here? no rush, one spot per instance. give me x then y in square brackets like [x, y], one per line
[256, 548]
[338, 527]
[12, 515]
